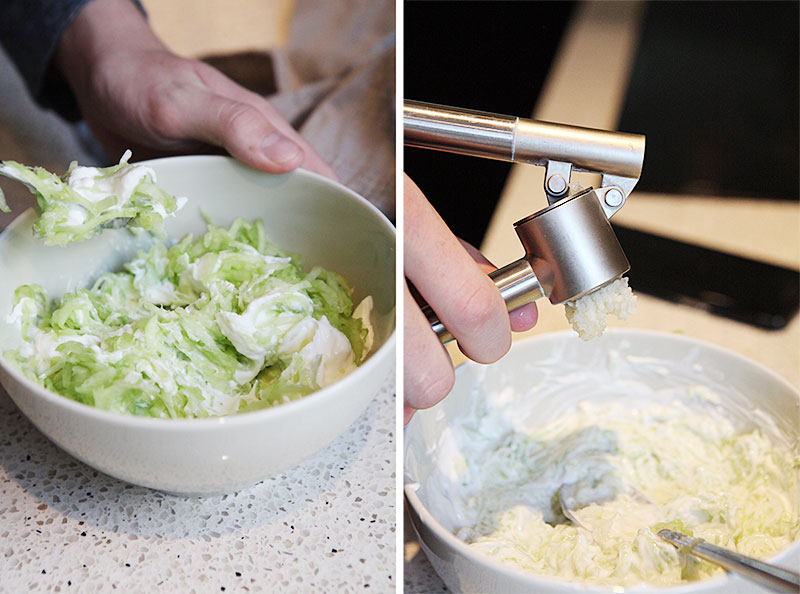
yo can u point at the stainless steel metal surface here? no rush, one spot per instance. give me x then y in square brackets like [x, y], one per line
[570, 250]
[572, 247]
[510, 138]
[556, 184]
[436, 325]
[517, 284]
[588, 149]
[554, 187]
[457, 130]
[775, 578]
[613, 198]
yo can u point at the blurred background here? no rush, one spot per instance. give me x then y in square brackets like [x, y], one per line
[713, 86]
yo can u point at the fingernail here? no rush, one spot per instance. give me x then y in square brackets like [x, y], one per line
[408, 412]
[279, 149]
[524, 318]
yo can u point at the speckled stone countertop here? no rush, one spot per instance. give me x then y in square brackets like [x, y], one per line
[327, 525]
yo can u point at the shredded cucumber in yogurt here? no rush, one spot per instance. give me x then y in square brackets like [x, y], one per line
[214, 325]
[86, 199]
[661, 466]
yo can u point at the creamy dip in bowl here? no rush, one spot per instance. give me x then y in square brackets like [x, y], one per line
[708, 437]
[321, 221]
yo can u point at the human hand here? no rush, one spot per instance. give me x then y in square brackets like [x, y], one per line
[451, 276]
[135, 93]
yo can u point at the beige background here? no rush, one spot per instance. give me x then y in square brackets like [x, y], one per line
[194, 28]
[596, 54]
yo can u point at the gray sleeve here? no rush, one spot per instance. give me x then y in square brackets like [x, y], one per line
[29, 33]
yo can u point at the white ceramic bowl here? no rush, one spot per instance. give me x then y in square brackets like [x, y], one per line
[545, 369]
[304, 213]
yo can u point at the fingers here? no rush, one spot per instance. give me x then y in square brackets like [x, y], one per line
[427, 369]
[225, 87]
[451, 275]
[479, 258]
[464, 298]
[312, 161]
[523, 318]
[407, 414]
[238, 127]
[133, 87]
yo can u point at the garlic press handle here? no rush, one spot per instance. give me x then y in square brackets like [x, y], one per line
[618, 156]
[517, 284]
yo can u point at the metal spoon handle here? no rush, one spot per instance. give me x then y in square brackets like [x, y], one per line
[776, 578]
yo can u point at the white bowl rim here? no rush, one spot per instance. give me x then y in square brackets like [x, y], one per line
[537, 581]
[253, 417]
[659, 334]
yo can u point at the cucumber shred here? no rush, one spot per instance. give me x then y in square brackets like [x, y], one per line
[214, 325]
[86, 200]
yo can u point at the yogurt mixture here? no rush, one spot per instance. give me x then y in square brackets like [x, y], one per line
[214, 325]
[663, 465]
[85, 200]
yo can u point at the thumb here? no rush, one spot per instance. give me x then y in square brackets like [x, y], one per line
[242, 130]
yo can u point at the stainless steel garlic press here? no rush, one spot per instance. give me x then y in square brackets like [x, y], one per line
[570, 247]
